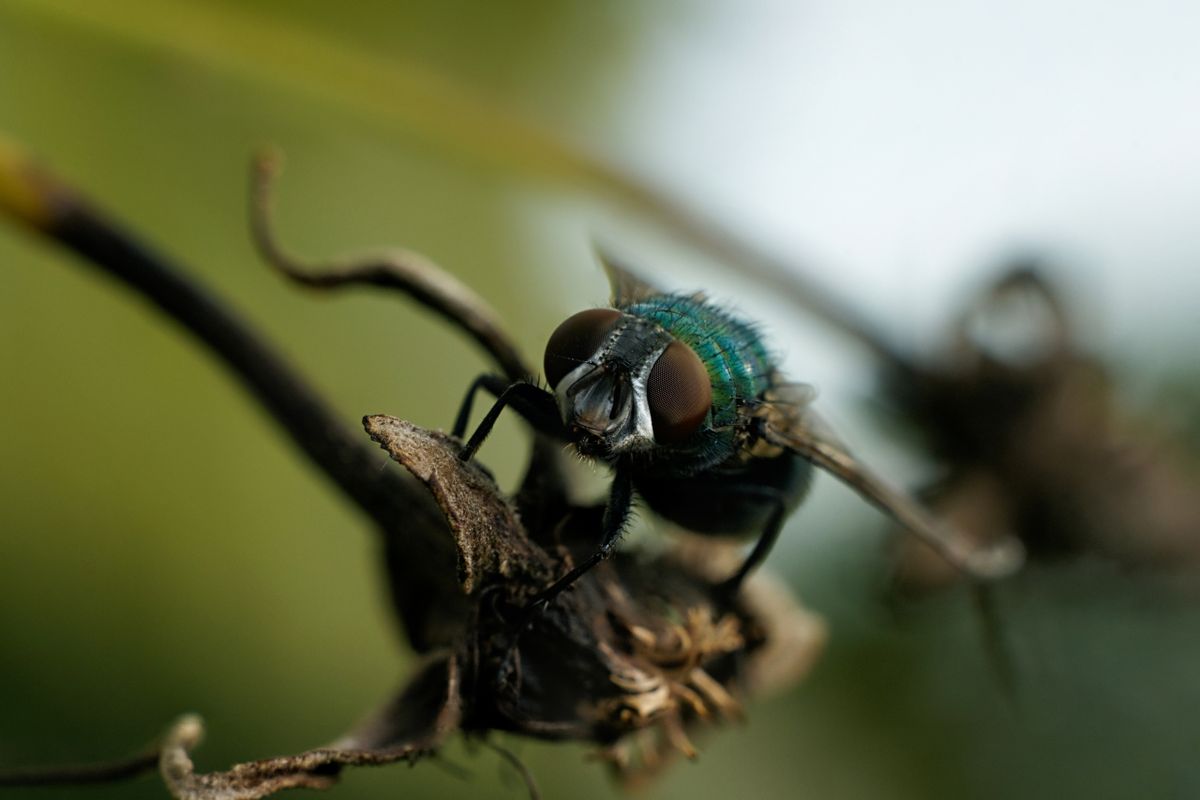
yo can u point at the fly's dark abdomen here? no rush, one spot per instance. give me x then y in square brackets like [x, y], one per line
[735, 501]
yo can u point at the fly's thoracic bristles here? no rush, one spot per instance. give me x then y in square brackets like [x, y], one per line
[731, 349]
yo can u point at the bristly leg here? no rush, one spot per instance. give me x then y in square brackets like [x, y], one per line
[492, 383]
[616, 514]
[766, 540]
[535, 405]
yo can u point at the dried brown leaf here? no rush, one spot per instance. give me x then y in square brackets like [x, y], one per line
[485, 526]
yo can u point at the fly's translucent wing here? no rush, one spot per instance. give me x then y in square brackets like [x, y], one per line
[789, 399]
[791, 424]
[627, 286]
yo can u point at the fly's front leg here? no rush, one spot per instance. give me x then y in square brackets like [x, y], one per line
[534, 404]
[493, 383]
[616, 512]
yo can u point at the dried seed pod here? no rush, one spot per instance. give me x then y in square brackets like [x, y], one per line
[636, 645]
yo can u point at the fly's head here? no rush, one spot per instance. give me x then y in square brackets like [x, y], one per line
[624, 385]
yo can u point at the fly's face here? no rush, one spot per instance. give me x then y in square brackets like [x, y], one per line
[624, 385]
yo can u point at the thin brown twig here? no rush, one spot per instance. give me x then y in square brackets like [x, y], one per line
[48, 206]
[312, 769]
[414, 531]
[431, 286]
[394, 269]
[517, 764]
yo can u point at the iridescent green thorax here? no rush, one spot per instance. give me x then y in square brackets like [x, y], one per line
[730, 348]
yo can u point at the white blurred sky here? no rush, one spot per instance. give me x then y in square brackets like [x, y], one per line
[904, 147]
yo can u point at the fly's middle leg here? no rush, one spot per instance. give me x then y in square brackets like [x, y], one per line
[777, 502]
[616, 513]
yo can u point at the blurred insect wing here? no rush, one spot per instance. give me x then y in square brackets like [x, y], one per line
[789, 398]
[628, 287]
[794, 426]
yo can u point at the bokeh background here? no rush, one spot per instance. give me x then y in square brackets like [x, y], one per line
[163, 549]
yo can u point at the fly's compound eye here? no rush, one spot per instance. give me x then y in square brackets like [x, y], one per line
[679, 393]
[576, 340]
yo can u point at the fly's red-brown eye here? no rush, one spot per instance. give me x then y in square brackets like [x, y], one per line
[576, 340]
[679, 393]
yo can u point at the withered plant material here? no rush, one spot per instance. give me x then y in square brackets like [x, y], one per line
[487, 534]
[792, 639]
[407, 729]
[636, 654]
[635, 645]
[1034, 442]
[638, 648]
[38, 201]
[543, 490]
[392, 269]
[416, 544]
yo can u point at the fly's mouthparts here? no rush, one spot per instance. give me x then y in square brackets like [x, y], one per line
[620, 390]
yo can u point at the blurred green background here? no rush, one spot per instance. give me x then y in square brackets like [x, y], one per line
[163, 549]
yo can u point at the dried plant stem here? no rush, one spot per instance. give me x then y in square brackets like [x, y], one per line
[517, 764]
[608, 660]
[456, 119]
[394, 269]
[544, 488]
[47, 206]
[313, 769]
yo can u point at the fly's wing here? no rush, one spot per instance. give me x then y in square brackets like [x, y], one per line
[791, 424]
[627, 286]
